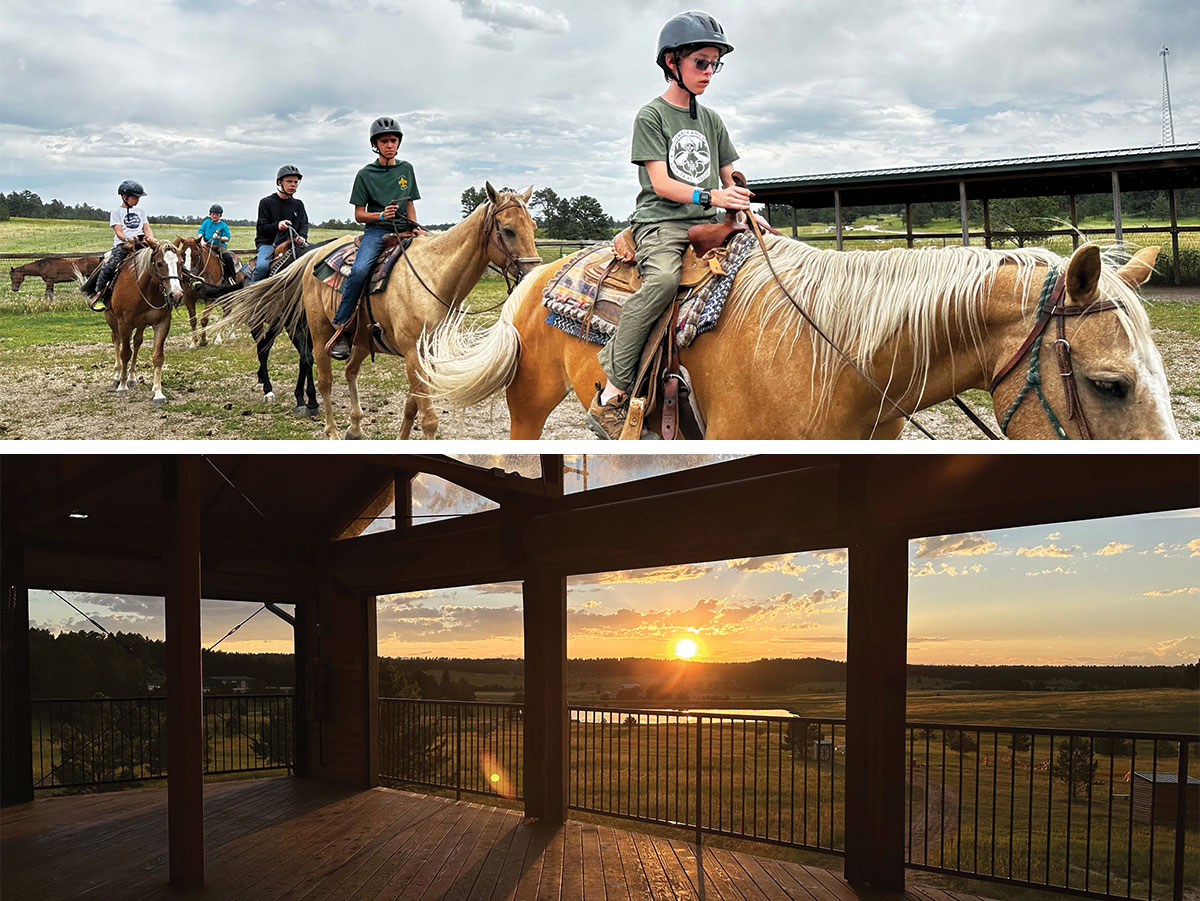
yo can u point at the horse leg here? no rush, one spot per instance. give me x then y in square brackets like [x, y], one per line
[137, 345]
[418, 401]
[191, 308]
[49, 293]
[325, 387]
[161, 329]
[357, 355]
[304, 377]
[263, 343]
[204, 327]
[125, 355]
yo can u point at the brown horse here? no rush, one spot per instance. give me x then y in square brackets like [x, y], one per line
[53, 272]
[201, 262]
[424, 290]
[921, 326]
[145, 292]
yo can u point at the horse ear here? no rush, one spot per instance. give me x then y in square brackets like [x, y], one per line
[491, 192]
[1083, 275]
[526, 194]
[178, 242]
[1139, 269]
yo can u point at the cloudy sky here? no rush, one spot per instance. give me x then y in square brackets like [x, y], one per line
[202, 100]
[1121, 590]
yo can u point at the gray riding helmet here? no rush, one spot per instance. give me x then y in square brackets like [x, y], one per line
[385, 125]
[129, 186]
[217, 208]
[285, 171]
[690, 29]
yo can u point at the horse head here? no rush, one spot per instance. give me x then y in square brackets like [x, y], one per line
[164, 260]
[510, 232]
[1110, 382]
[17, 278]
[200, 262]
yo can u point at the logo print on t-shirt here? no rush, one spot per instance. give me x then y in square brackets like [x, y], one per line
[403, 182]
[689, 156]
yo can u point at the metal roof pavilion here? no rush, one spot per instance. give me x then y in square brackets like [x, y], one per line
[1139, 169]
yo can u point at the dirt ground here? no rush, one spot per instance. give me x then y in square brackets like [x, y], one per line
[68, 395]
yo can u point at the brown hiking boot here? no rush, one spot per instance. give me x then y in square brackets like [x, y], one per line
[338, 346]
[607, 420]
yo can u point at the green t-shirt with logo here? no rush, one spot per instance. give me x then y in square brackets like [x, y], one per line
[693, 149]
[376, 186]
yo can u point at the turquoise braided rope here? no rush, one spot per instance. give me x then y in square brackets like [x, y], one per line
[1033, 375]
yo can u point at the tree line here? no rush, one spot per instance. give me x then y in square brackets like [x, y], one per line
[83, 663]
[565, 218]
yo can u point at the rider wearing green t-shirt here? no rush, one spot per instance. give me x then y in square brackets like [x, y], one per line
[685, 167]
[383, 196]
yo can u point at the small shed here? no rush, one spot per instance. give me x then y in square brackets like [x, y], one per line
[1160, 792]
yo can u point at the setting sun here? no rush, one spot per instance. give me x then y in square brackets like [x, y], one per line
[685, 648]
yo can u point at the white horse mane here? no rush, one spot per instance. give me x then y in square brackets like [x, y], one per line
[862, 299]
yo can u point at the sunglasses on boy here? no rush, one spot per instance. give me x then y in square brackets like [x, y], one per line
[703, 64]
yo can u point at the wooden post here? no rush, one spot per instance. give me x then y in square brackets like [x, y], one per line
[876, 661]
[795, 233]
[962, 213]
[16, 708]
[908, 225]
[1074, 223]
[370, 715]
[987, 223]
[547, 735]
[403, 500]
[185, 701]
[1116, 192]
[1174, 235]
[837, 216]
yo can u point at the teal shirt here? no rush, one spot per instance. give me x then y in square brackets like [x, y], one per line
[376, 186]
[693, 149]
[214, 232]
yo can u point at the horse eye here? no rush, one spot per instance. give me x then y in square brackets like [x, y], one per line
[1116, 389]
[508, 232]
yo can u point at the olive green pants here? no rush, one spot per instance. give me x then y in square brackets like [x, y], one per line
[660, 247]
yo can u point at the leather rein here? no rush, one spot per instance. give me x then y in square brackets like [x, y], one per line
[1050, 306]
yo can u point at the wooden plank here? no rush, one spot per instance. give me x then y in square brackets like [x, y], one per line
[469, 873]
[664, 882]
[572, 865]
[643, 884]
[423, 869]
[616, 885]
[446, 882]
[503, 848]
[515, 866]
[837, 886]
[397, 856]
[707, 876]
[535, 858]
[553, 861]
[591, 886]
[795, 881]
[751, 879]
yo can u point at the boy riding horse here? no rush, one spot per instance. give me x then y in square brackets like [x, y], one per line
[276, 214]
[685, 167]
[129, 225]
[214, 232]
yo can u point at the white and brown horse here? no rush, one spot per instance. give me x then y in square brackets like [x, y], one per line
[920, 326]
[146, 290]
[201, 263]
[424, 291]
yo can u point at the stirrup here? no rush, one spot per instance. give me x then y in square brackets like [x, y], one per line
[338, 333]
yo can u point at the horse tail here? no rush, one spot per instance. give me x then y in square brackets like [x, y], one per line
[463, 367]
[278, 299]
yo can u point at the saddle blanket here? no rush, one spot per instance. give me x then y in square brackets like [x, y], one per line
[334, 267]
[570, 298]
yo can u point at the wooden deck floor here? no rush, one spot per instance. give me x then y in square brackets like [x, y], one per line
[294, 838]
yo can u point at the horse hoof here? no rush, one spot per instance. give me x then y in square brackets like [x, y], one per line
[269, 397]
[116, 384]
[159, 401]
[350, 436]
[304, 412]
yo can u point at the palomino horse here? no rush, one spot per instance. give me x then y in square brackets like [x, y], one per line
[146, 290]
[921, 325]
[424, 290]
[203, 263]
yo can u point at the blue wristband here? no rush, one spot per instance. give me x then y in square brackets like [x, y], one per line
[696, 195]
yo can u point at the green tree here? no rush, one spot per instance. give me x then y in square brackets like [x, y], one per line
[471, 198]
[273, 743]
[1074, 765]
[1019, 741]
[957, 740]
[1030, 219]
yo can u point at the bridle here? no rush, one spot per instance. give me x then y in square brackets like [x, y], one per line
[1050, 306]
[163, 274]
[512, 266]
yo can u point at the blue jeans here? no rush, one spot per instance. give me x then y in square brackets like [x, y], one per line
[368, 253]
[262, 262]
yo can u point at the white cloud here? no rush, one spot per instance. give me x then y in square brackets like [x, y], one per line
[970, 544]
[1113, 547]
[1046, 550]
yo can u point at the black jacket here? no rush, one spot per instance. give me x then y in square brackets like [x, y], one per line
[271, 211]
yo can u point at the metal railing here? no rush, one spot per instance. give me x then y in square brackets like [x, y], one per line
[1095, 813]
[80, 742]
[1084, 812]
[465, 746]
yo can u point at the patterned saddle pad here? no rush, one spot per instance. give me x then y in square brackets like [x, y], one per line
[578, 307]
[335, 266]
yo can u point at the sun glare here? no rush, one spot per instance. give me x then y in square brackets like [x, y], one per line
[685, 648]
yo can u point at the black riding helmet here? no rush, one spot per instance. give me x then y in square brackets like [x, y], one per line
[131, 187]
[385, 125]
[217, 208]
[690, 29]
[285, 171]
